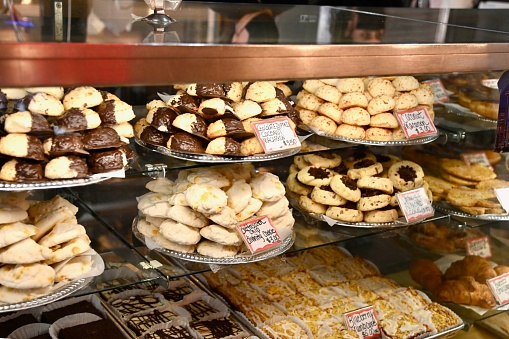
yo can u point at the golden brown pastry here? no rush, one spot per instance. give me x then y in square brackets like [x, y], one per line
[426, 273]
[467, 291]
[501, 269]
[472, 265]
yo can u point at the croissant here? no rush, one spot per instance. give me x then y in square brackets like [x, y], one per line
[501, 269]
[467, 291]
[426, 273]
[472, 265]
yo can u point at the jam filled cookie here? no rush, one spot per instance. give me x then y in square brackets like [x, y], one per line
[345, 187]
[301, 162]
[323, 159]
[326, 196]
[376, 183]
[364, 168]
[406, 175]
[315, 176]
[296, 186]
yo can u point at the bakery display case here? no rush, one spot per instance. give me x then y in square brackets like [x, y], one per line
[105, 45]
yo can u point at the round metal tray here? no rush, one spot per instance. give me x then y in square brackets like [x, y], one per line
[53, 296]
[25, 186]
[448, 208]
[209, 158]
[238, 259]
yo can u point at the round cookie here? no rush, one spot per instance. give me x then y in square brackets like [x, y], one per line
[364, 168]
[206, 199]
[385, 120]
[221, 235]
[284, 224]
[457, 180]
[250, 210]
[424, 95]
[267, 187]
[27, 276]
[375, 202]
[322, 159]
[344, 214]
[380, 104]
[187, 216]
[215, 250]
[301, 162]
[406, 175]
[350, 131]
[405, 83]
[328, 93]
[310, 101]
[326, 196]
[260, 91]
[331, 110]
[306, 115]
[315, 176]
[239, 195]
[378, 134]
[473, 172]
[296, 186]
[353, 99]
[226, 218]
[179, 233]
[311, 85]
[381, 86]
[274, 209]
[324, 124]
[358, 156]
[348, 85]
[375, 183]
[311, 206]
[173, 246]
[405, 101]
[345, 187]
[356, 116]
[381, 216]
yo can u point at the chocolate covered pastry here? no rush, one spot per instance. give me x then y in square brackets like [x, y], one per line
[154, 137]
[185, 103]
[22, 146]
[66, 167]
[161, 118]
[217, 328]
[104, 328]
[41, 103]
[78, 119]
[223, 146]
[26, 122]
[141, 323]
[21, 170]
[185, 142]
[227, 127]
[63, 144]
[101, 137]
[107, 161]
[191, 123]
[115, 112]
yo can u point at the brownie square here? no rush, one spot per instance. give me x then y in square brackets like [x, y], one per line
[84, 306]
[7, 327]
[99, 329]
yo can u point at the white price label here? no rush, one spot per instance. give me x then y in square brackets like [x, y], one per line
[416, 123]
[276, 135]
[503, 197]
[439, 92]
[476, 158]
[491, 83]
[364, 322]
[415, 204]
[500, 288]
[479, 246]
[259, 234]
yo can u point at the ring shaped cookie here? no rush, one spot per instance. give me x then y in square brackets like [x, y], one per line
[326, 196]
[365, 168]
[406, 175]
[376, 183]
[345, 187]
[323, 159]
[315, 176]
[297, 187]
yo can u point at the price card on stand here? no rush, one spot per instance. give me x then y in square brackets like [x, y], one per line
[276, 135]
[479, 246]
[476, 158]
[439, 91]
[416, 123]
[259, 234]
[503, 197]
[415, 204]
[500, 288]
[364, 322]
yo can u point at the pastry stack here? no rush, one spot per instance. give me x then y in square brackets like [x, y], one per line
[362, 108]
[200, 210]
[40, 245]
[307, 295]
[353, 188]
[215, 118]
[52, 134]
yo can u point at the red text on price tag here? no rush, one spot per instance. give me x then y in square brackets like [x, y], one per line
[479, 246]
[416, 123]
[259, 234]
[364, 322]
[275, 135]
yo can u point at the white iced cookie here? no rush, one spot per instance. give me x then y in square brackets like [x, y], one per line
[70, 249]
[226, 218]
[274, 209]
[27, 276]
[187, 216]
[179, 233]
[208, 176]
[284, 224]
[173, 246]
[221, 235]
[74, 268]
[14, 232]
[216, 250]
[147, 228]
[239, 195]
[250, 210]
[61, 233]
[206, 199]
[26, 251]
[160, 185]
[178, 199]
[267, 187]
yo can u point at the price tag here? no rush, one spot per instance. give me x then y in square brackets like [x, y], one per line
[503, 197]
[439, 91]
[476, 158]
[479, 246]
[415, 204]
[500, 288]
[275, 135]
[416, 123]
[491, 83]
[364, 322]
[259, 234]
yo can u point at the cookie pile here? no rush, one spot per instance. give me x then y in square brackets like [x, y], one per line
[361, 108]
[199, 211]
[55, 134]
[215, 118]
[355, 188]
[40, 245]
[470, 188]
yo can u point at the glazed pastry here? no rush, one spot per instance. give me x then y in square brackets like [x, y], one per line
[185, 142]
[101, 137]
[161, 118]
[63, 144]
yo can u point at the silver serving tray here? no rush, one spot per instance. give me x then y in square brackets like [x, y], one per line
[22, 186]
[448, 208]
